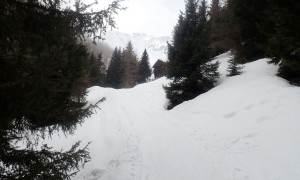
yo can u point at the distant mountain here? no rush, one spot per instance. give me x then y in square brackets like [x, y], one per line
[156, 46]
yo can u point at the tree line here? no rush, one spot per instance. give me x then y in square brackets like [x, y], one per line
[125, 71]
[250, 29]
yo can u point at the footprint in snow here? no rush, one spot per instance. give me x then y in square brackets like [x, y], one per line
[262, 119]
[248, 107]
[229, 115]
[251, 135]
[96, 174]
[263, 102]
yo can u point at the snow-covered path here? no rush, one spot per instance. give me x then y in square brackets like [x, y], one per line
[151, 144]
[245, 128]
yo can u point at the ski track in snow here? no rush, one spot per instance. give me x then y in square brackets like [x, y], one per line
[244, 129]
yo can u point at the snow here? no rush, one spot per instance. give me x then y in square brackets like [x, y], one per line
[245, 128]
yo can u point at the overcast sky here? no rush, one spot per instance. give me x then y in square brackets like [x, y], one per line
[154, 17]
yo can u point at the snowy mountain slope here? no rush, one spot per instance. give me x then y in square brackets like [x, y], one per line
[156, 46]
[245, 128]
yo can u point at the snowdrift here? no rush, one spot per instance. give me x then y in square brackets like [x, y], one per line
[245, 128]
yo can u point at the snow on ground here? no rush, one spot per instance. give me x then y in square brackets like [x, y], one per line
[245, 128]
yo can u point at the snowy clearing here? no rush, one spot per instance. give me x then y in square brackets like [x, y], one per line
[245, 128]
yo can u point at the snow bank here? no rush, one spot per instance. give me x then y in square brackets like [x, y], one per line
[245, 128]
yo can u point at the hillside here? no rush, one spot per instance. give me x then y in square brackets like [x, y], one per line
[245, 128]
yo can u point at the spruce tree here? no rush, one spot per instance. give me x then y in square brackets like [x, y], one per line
[284, 42]
[129, 67]
[250, 16]
[114, 71]
[233, 39]
[219, 40]
[97, 70]
[102, 70]
[43, 79]
[189, 56]
[233, 67]
[268, 28]
[144, 68]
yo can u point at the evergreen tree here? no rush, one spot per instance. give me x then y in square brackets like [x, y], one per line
[102, 70]
[144, 68]
[268, 27]
[234, 68]
[175, 55]
[43, 78]
[91, 64]
[250, 16]
[114, 73]
[97, 70]
[189, 56]
[129, 67]
[284, 42]
[233, 39]
[231, 28]
[219, 40]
